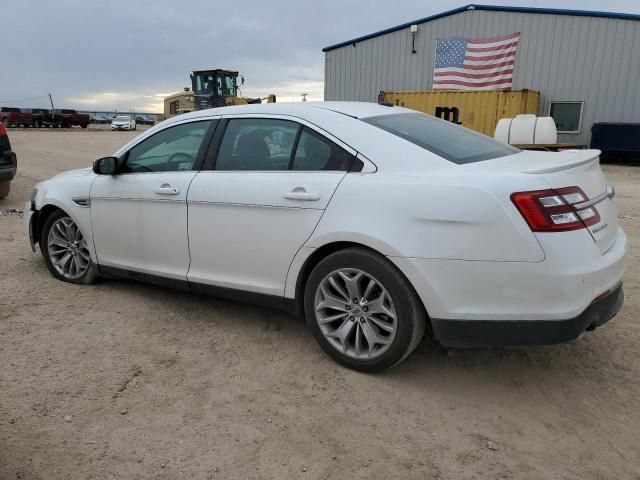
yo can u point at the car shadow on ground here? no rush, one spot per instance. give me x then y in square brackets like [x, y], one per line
[431, 365]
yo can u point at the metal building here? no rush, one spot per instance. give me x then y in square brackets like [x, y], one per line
[586, 65]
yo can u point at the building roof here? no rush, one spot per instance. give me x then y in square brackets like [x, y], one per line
[489, 8]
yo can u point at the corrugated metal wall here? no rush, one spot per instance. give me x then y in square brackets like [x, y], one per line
[565, 58]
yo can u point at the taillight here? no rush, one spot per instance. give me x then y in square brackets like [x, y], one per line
[553, 210]
[13, 159]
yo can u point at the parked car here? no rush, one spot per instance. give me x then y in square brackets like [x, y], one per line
[145, 121]
[14, 117]
[70, 118]
[8, 163]
[123, 122]
[42, 117]
[377, 223]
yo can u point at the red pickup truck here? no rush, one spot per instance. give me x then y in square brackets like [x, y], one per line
[69, 118]
[14, 117]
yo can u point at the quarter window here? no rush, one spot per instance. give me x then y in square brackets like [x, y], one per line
[315, 152]
[567, 115]
[173, 149]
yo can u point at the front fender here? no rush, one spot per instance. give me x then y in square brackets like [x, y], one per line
[65, 192]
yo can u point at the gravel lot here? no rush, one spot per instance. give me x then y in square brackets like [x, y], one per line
[125, 380]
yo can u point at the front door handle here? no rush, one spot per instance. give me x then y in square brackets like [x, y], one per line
[299, 193]
[166, 189]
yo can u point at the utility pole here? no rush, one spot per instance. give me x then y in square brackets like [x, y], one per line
[51, 100]
[304, 96]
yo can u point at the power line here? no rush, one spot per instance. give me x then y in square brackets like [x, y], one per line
[23, 99]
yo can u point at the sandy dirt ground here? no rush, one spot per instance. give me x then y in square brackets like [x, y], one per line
[125, 380]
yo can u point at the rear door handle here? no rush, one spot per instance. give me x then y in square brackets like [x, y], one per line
[299, 193]
[166, 189]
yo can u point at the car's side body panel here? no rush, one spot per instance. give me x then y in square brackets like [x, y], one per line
[67, 193]
[137, 228]
[443, 217]
[243, 232]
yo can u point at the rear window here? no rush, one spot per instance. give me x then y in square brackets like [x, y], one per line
[445, 139]
[11, 109]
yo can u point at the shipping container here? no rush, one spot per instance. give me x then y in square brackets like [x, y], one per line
[477, 110]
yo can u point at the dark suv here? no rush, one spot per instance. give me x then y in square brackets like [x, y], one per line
[8, 163]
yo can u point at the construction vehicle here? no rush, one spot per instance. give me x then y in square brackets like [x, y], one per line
[219, 88]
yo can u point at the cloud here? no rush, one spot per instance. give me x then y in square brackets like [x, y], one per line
[123, 54]
[120, 101]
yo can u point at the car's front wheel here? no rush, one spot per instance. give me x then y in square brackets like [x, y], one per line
[362, 311]
[65, 250]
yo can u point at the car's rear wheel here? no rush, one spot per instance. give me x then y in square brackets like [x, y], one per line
[65, 250]
[362, 311]
[5, 188]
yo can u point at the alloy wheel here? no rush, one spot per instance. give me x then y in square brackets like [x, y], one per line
[355, 313]
[67, 249]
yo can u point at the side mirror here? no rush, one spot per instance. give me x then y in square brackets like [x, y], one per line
[105, 166]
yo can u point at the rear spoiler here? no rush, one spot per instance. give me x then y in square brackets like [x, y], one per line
[567, 159]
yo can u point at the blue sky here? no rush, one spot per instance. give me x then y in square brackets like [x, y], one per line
[123, 54]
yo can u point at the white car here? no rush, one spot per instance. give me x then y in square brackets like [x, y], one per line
[123, 122]
[376, 223]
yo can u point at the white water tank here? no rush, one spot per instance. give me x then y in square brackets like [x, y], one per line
[526, 129]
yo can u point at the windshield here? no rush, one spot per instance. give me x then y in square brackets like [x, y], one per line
[445, 139]
[122, 119]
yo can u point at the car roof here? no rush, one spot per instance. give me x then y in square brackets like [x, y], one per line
[351, 109]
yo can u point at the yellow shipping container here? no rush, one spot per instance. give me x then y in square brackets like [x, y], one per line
[478, 110]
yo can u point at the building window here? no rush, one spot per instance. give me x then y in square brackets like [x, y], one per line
[567, 115]
[173, 107]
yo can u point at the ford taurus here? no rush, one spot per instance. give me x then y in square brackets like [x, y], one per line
[376, 223]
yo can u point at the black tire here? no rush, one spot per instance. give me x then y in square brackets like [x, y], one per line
[84, 126]
[411, 315]
[5, 188]
[89, 277]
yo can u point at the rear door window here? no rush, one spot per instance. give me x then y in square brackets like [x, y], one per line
[257, 144]
[447, 140]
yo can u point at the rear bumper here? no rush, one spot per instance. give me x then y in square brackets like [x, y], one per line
[469, 333]
[7, 174]
[559, 288]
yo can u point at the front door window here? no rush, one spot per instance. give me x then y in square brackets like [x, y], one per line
[171, 150]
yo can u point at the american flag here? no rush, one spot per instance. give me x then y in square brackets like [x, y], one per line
[480, 64]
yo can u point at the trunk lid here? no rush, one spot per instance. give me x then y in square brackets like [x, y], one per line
[568, 168]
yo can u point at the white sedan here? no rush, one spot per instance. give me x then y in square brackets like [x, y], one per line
[123, 122]
[376, 223]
